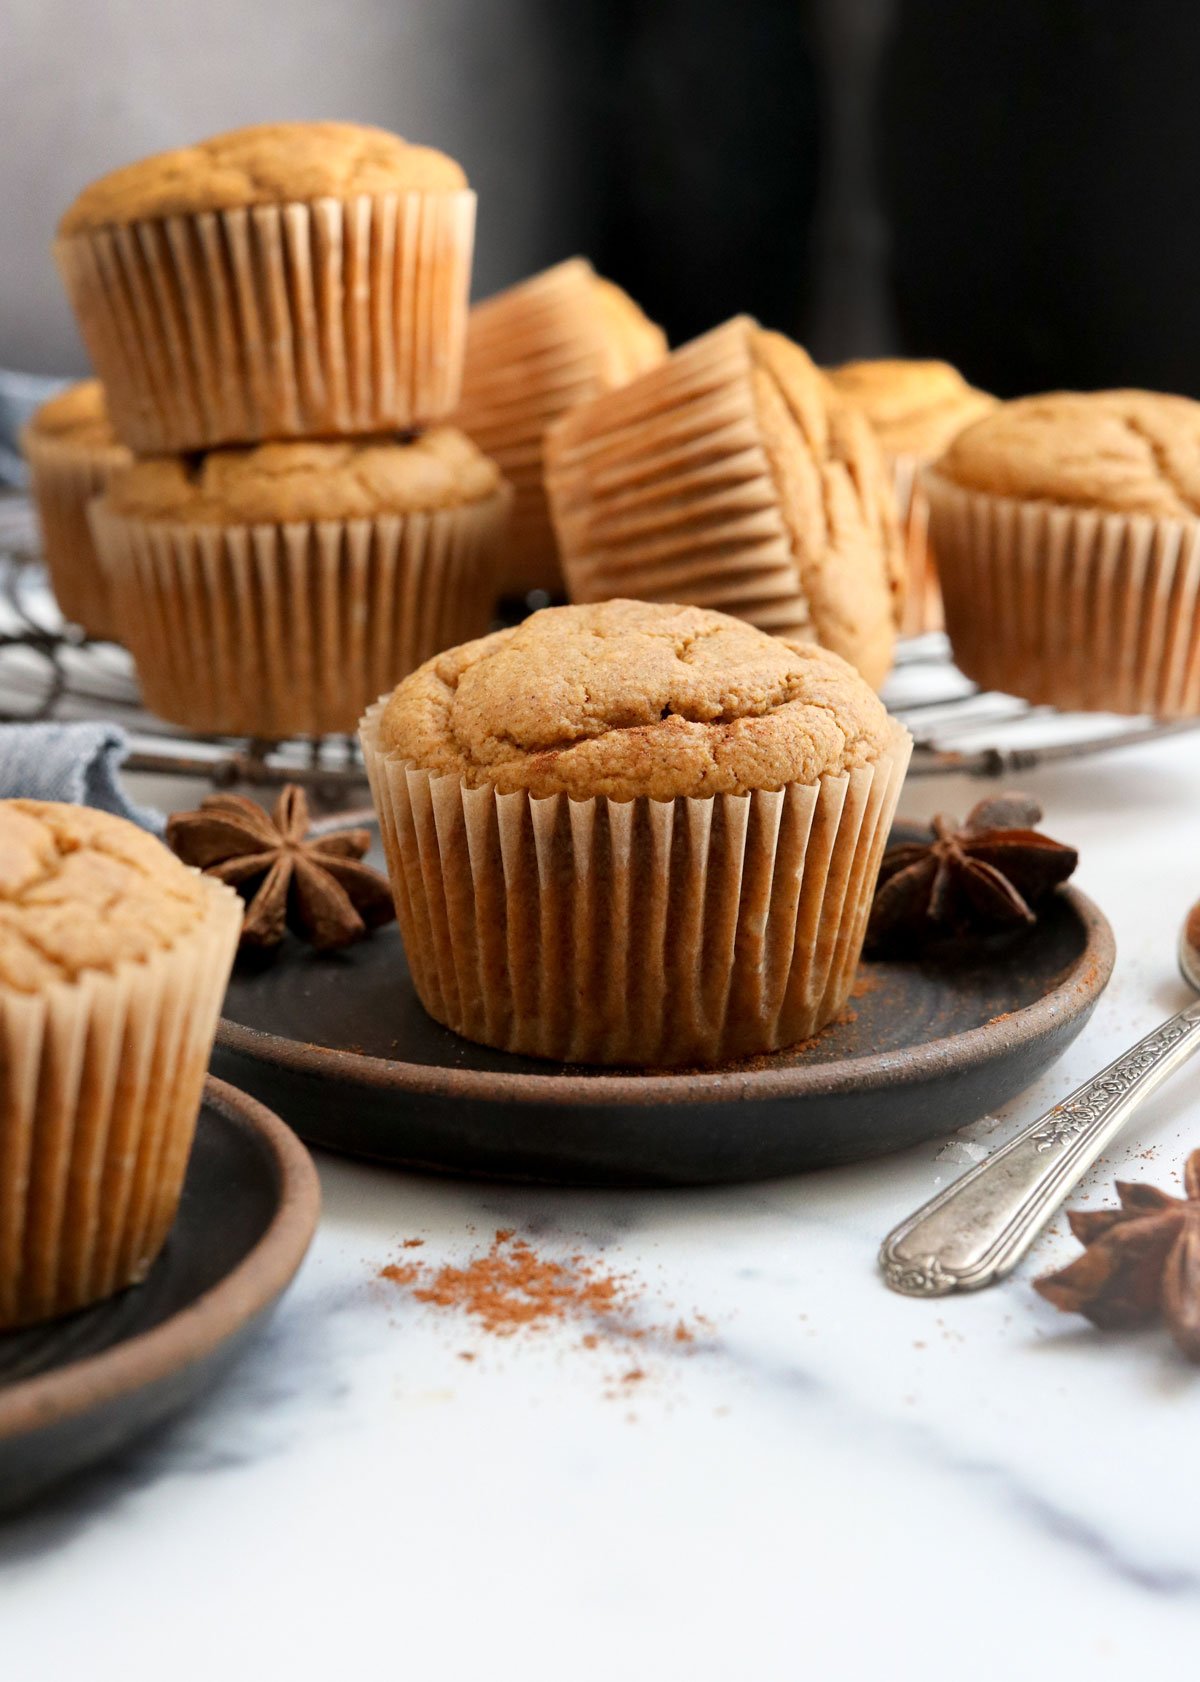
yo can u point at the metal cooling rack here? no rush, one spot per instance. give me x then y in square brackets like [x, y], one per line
[48, 670]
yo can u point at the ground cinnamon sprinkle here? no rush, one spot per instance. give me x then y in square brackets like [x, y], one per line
[512, 1286]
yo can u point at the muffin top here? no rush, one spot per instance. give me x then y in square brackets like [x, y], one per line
[625, 698]
[80, 890]
[345, 479]
[77, 415]
[836, 498]
[269, 163]
[1126, 452]
[916, 408]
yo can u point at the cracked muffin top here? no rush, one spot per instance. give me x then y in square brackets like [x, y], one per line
[836, 498]
[81, 890]
[342, 480]
[268, 163]
[625, 699]
[1127, 452]
[77, 415]
[915, 407]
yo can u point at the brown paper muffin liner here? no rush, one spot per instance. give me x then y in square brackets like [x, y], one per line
[923, 598]
[276, 321]
[100, 1085]
[637, 932]
[64, 477]
[292, 629]
[529, 359]
[662, 491]
[1073, 608]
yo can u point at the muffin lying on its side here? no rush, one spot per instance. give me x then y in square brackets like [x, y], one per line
[533, 352]
[276, 591]
[114, 958]
[72, 452]
[732, 476]
[634, 833]
[1067, 534]
[916, 409]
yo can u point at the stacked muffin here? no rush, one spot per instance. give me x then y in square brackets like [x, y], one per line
[239, 298]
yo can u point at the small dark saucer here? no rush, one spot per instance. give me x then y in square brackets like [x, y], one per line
[75, 1390]
[341, 1046]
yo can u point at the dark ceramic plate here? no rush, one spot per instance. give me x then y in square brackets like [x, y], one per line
[75, 1390]
[341, 1047]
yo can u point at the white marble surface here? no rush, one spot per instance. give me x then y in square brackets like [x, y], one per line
[831, 1482]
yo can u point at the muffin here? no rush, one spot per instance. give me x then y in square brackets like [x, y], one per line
[915, 409]
[1067, 539]
[72, 450]
[275, 591]
[114, 958]
[633, 833]
[533, 352]
[290, 280]
[731, 476]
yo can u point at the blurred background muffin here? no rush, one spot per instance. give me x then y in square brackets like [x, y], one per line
[72, 451]
[915, 408]
[1066, 529]
[533, 352]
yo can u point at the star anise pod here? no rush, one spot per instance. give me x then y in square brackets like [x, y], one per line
[1141, 1262]
[314, 885]
[985, 876]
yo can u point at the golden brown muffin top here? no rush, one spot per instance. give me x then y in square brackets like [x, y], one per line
[81, 890]
[915, 407]
[837, 501]
[1127, 452]
[626, 698]
[346, 479]
[77, 415]
[268, 163]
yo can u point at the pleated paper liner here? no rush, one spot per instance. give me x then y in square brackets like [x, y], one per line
[923, 598]
[532, 354]
[293, 629]
[277, 321]
[100, 1085]
[662, 490]
[1076, 609]
[642, 932]
[64, 478]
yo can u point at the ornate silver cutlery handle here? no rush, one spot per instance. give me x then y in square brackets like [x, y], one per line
[978, 1228]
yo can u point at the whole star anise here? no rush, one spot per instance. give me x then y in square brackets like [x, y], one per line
[1141, 1262]
[987, 875]
[315, 885]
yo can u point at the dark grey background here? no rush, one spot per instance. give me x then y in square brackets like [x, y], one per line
[1010, 185]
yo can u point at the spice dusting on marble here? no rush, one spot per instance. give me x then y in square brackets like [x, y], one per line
[512, 1287]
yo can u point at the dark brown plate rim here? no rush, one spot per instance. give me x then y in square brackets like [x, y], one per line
[1079, 986]
[193, 1332]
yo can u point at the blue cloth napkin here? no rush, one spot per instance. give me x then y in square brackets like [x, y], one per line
[75, 762]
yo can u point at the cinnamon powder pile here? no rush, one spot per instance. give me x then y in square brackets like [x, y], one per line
[512, 1286]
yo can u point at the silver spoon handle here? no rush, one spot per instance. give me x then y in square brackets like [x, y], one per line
[978, 1228]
